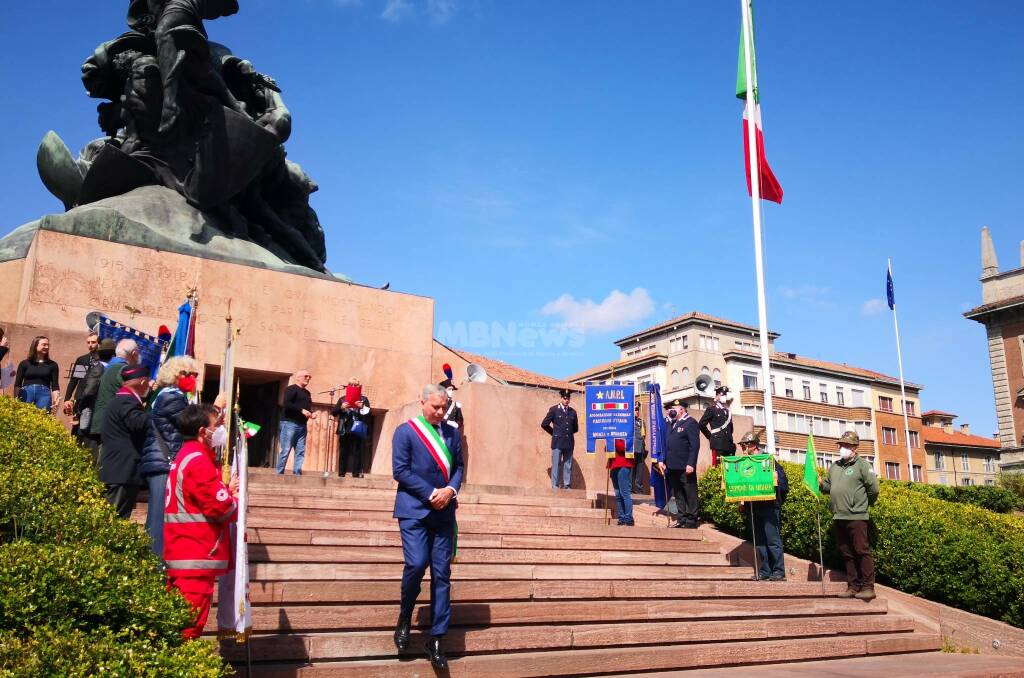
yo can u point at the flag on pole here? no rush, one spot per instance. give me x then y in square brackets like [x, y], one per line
[771, 189]
[234, 609]
[811, 469]
[890, 293]
[183, 341]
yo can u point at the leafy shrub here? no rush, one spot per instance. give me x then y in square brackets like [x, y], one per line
[1014, 482]
[953, 553]
[80, 592]
[998, 499]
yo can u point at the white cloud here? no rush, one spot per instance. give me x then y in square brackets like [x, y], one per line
[805, 292]
[618, 310]
[397, 10]
[873, 307]
[441, 11]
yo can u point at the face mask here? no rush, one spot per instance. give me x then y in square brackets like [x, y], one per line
[187, 383]
[672, 414]
[219, 437]
[450, 392]
[845, 452]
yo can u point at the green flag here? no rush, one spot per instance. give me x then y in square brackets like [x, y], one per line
[741, 64]
[810, 470]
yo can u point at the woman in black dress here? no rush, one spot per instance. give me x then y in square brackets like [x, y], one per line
[37, 379]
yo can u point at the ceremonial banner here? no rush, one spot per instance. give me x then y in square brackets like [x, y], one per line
[610, 416]
[656, 425]
[749, 478]
[150, 348]
[234, 611]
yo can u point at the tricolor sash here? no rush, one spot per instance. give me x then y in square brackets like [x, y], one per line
[435, 444]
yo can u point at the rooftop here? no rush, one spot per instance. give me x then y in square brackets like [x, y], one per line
[695, 316]
[615, 365]
[995, 306]
[516, 376]
[842, 368]
[937, 413]
[937, 436]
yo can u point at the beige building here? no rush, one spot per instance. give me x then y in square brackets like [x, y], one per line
[1002, 314]
[955, 456]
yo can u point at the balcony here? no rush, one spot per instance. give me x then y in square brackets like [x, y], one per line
[800, 406]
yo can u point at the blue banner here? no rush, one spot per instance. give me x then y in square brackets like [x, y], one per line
[609, 415]
[656, 425]
[150, 347]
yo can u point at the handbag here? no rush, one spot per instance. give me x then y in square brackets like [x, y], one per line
[359, 429]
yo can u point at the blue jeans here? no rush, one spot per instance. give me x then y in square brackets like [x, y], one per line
[622, 480]
[768, 538]
[37, 394]
[561, 460]
[157, 484]
[291, 435]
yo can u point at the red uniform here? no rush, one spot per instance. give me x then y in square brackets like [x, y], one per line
[198, 512]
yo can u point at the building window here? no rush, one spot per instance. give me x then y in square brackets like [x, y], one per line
[967, 482]
[965, 461]
[756, 413]
[915, 473]
[675, 378]
[943, 480]
[709, 343]
[807, 390]
[750, 380]
[840, 398]
[940, 462]
[686, 341]
[889, 436]
[789, 387]
[791, 423]
[686, 375]
[703, 342]
[909, 407]
[915, 439]
[714, 346]
[645, 382]
[717, 377]
[863, 429]
[885, 404]
[990, 464]
[772, 383]
[892, 470]
[823, 392]
[858, 397]
[990, 481]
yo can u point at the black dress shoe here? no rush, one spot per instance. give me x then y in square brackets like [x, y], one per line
[436, 654]
[402, 634]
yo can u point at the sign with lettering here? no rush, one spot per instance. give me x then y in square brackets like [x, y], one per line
[749, 478]
[610, 416]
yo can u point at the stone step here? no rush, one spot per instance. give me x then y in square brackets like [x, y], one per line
[459, 641]
[283, 592]
[261, 553]
[494, 571]
[388, 496]
[272, 618]
[287, 501]
[483, 539]
[577, 662]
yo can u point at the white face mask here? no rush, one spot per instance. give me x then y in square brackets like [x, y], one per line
[220, 437]
[450, 392]
[845, 452]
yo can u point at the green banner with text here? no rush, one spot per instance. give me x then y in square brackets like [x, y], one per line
[748, 478]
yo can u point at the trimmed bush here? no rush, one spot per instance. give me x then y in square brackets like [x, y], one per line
[998, 499]
[952, 553]
[80, 592]
[1014, 482]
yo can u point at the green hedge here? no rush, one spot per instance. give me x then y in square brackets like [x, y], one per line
[952, 553]
[998, 499]
[80, 592]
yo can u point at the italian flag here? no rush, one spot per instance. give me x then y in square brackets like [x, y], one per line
[770, 187]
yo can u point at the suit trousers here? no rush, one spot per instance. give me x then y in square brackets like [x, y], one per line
[684, 489]
[122, 498]
[561, 460]
[428, 541]
[852, 542]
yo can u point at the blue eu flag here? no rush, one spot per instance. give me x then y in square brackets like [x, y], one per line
[890, 295]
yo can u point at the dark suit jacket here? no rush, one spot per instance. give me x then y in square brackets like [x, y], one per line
[716, 417]
[561, 426]
[418, 475]
[123, 435]
[682, 443]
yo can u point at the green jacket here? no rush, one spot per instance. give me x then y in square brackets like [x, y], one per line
[110, 384]
[852, 487]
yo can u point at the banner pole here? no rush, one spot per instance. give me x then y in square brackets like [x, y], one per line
[668, 514]
[753, 540]
[821, 552]
[607, 508]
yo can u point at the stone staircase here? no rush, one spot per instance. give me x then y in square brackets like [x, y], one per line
[541, 587]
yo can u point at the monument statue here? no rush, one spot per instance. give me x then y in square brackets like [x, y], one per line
[182, 114]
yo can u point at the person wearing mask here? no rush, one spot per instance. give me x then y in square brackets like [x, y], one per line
[78, 371]
[85, 398]
[297, 411]
[852, 487]
[561, 423]
[354, 425]
[682, 445]
[426, 461]
[453, 413]
[123, 436]
[639, 449]
[767, 521]
[175, 382]
[716, 425]
[126, 353]
[37, 380]
[198, 514]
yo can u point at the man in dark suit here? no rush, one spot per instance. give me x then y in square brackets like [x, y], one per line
[123, 434]
[561, 423]
[427, 463]
[682, 443]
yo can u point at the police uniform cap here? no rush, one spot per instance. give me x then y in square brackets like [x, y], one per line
[565, 393]
[721, 389]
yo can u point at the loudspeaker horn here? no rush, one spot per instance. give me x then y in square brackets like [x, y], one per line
[476, 373]
[92, 320]
[704, 385]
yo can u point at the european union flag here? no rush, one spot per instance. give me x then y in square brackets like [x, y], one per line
[889, 293]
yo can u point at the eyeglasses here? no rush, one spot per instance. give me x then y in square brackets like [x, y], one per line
[183, 373]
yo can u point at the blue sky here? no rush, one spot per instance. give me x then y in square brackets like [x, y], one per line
[522, 161]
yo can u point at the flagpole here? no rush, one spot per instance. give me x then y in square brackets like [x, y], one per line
[903, 388]
[755, 202]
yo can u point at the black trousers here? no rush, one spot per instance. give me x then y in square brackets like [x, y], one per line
[684, 489]
[350, 450]
[122, 498]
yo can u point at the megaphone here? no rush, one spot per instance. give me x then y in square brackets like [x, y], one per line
[476, 373]
[704, 385]
[92, 320]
